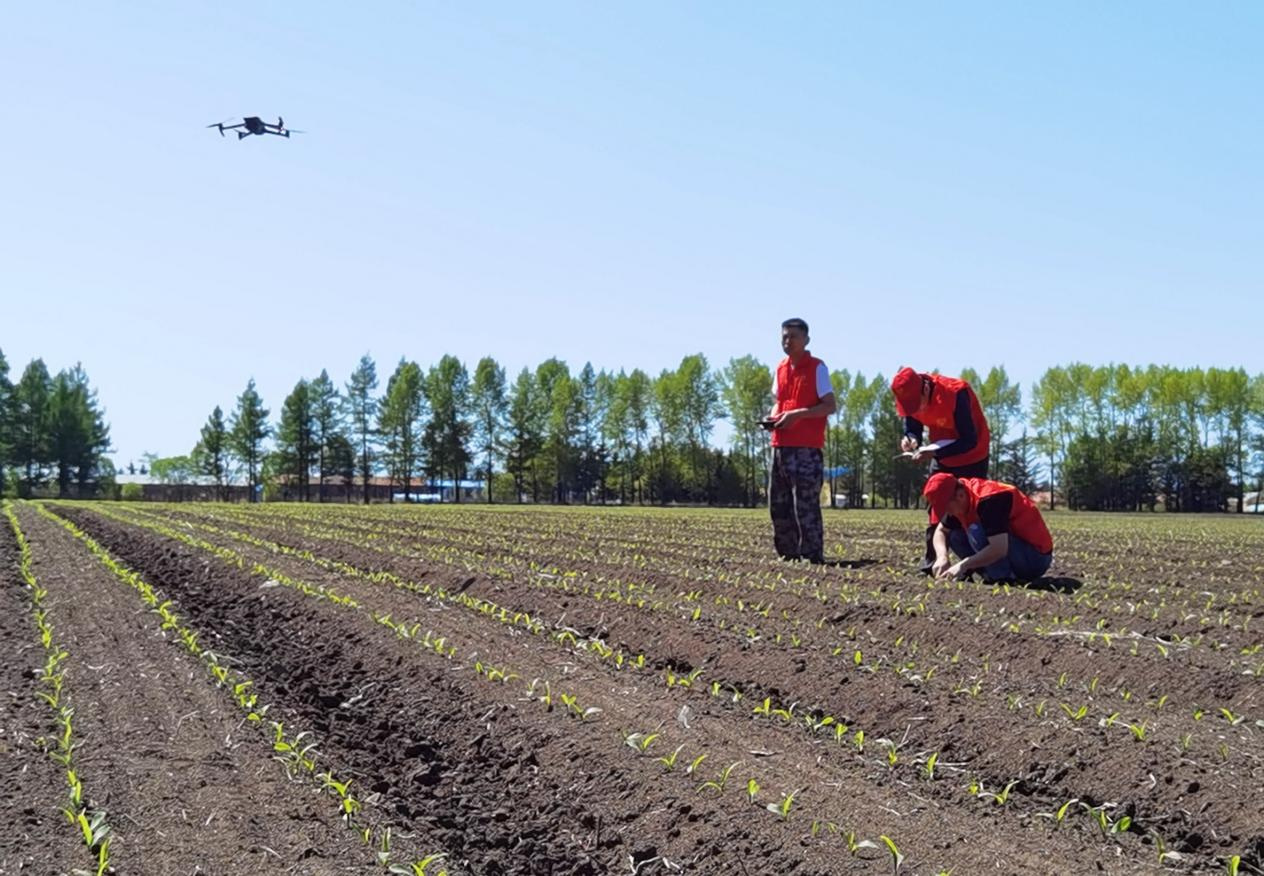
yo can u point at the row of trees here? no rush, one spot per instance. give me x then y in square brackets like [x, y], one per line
[51, 428]
[1102, 437]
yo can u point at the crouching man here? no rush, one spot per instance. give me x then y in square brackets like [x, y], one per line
[992, 527]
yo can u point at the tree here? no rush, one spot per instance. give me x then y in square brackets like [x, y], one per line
[487, 397]
[399, 423]
[90, 463]
[248, 432]
[177, 471]
[211, 453]
[1229, 394]
[6, 420]
[636, 393]
[592, 455]
[77, 433]
[296, 439]
[526, 438]
[560, 436]
[341, 458]
[447, 390]
[326, 425]
[361, 410]
[31, 436]
[1018, 464]
[747, 393]
[700, 407]
[667, 410]
[1002, 404]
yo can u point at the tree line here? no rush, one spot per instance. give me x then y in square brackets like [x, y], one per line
[1110, 437]
[1107, 437]
[52, 428]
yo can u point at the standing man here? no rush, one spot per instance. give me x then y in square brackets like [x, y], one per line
[959, 436]
[991, 526]
[803, 399]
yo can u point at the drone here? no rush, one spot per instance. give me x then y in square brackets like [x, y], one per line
[256, 125]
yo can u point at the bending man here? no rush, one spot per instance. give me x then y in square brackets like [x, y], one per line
[959, 436]
[991, 526]
[803, 399]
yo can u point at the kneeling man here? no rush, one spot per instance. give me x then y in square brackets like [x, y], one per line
[991, 526]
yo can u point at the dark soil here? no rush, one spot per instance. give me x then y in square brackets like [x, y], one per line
[988, 679]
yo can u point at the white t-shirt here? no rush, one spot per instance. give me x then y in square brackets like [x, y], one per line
[823, 385]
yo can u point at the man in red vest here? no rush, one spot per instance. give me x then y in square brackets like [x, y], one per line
[959, 436]
[991, 526]
[803, 399]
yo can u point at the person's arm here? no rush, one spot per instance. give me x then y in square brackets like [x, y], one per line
[963, 421]
[822, 408]
[997, 548]
[940, 542]
[913, 429]
[994, 514]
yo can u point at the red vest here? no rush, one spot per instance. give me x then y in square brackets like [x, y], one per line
[796, 388]
[937, 415]
[1025, 521]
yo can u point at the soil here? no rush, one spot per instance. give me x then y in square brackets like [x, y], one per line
[1144, 629]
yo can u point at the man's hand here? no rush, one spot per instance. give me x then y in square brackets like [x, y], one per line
[940, 565]
[920, 453]
[956, 571]
[787, 418]
[908, 444]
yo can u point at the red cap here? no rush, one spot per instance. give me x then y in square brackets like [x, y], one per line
[939, 490]
[907, 386]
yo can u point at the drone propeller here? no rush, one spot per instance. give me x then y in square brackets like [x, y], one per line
[220, 125]
[294, 131]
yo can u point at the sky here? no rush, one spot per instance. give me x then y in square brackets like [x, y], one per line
[934, 184]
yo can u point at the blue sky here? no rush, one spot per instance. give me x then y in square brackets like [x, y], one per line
[926, 183]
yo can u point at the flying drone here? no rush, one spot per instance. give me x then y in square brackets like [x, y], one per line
[256, 125]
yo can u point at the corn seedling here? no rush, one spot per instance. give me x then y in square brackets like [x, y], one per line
[717, 784]
[693, 767]
[419, 868]
[855, 845]
[669, 762]
[896, 858]
[928, 768]
[782, 809]
[1074, 714]
[640, 742]
[752, 788]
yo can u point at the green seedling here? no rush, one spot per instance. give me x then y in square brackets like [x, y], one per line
[782, 809]
[752, 788]
[717, 784]
[669, 762]
[640, 742]
[896, 858]
[1074, 714]
[693, 767]
[854, 845]
[420, 868]
[928, 768]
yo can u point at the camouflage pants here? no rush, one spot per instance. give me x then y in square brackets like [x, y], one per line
[794, 500]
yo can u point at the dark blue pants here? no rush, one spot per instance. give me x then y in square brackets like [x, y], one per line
[1024, 562]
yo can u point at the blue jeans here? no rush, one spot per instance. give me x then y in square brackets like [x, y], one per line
[1024, 562]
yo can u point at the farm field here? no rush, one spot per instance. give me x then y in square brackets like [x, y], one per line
[329, 689]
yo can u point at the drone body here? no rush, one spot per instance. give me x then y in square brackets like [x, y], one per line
[255, 125]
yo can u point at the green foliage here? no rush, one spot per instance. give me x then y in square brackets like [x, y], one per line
[248, 430]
